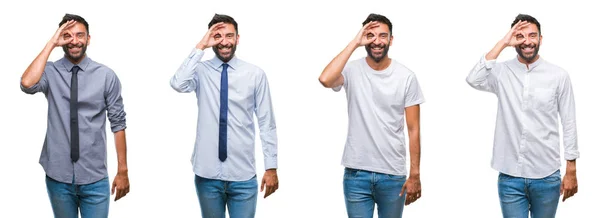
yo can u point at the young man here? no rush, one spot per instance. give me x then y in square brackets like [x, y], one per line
[380, 93]
[80, 93]
[229, 92]
[532, 93]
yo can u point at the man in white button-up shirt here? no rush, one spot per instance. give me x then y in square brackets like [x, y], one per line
[532, 93]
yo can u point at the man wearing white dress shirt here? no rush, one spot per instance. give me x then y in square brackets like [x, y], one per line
[532, 94]
[230, 93]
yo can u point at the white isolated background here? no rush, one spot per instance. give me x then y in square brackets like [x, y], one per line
[144, 42]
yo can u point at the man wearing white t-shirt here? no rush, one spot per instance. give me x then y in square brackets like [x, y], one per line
[380, 92]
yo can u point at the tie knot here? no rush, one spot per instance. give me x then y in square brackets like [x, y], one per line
[225, 65]
[75, 69]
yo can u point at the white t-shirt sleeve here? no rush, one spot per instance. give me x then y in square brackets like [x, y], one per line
[414, 95]
[345, 76]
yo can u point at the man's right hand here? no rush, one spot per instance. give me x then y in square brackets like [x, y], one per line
[363, 38]
[209, 39]
[63, 36]
[515, 36]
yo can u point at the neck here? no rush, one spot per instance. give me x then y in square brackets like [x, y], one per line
[381, 65]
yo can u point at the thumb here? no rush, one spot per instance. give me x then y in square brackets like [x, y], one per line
[262, 184]
[114, 185]
[562, 187]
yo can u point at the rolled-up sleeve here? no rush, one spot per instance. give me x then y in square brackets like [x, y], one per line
[114, 103]
[40, 86]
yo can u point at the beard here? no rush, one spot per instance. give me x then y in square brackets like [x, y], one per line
[530, 58]
[227, 57]
[385, 48]
[78, 56]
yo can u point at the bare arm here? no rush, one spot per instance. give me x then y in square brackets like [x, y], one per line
[121, 181]
[33, 73]
[332, 74]
[413, 183]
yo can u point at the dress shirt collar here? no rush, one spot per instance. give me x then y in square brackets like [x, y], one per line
[216, 63]
[69, 65]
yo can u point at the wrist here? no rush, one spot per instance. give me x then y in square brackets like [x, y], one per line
[201, 46]
[415, 175]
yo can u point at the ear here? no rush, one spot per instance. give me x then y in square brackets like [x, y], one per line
[540, 43]
[237, 39]
[88, 40]
[391, 40]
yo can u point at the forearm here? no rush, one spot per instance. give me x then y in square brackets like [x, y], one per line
[121, 147]
[415, 152]
[496, 50]
[333, 71]
[571, 167]
[33, 73]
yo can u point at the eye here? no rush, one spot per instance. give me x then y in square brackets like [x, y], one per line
[520, 36]
[218, 36]
[370, 36]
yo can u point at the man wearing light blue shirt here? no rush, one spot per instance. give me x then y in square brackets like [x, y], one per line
[229, 92]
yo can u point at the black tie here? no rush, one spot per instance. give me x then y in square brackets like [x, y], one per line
[74, 119]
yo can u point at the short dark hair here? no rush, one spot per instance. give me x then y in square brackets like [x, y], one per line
[77, 18]
[529, 19]
[378, 18]
[225, 19]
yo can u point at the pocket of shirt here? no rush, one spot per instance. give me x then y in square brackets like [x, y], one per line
[544, 98]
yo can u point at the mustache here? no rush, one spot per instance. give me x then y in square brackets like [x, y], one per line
[224, 46]
[79, 45]
[377, 46]
[522, 46]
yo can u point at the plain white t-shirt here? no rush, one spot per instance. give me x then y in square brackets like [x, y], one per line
[376, 102]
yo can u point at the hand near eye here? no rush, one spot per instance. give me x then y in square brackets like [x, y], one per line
[209, 38]
[361, 38]
[511, 37]
[63, 36]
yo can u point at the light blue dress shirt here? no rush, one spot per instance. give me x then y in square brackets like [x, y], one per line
[248, 95]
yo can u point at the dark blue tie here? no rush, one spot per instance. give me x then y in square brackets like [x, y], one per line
[74, 121]
[223, 114]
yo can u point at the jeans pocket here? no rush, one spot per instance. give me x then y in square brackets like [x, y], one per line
[503, 177]
[350, 173]
[396, 177]
[555, 177]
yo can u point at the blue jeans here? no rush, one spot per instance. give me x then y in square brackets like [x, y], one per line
[363, 189]
[240, 197]
[91, 199]
[519, 196]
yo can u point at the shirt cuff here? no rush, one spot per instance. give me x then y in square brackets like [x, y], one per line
[571, 155]
[271, 163]
[196, 55]
[488, 63]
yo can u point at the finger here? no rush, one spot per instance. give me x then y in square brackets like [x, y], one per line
[403, 188]
[562, 188]
[217, 26]
[114, 185]
[262, 185]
